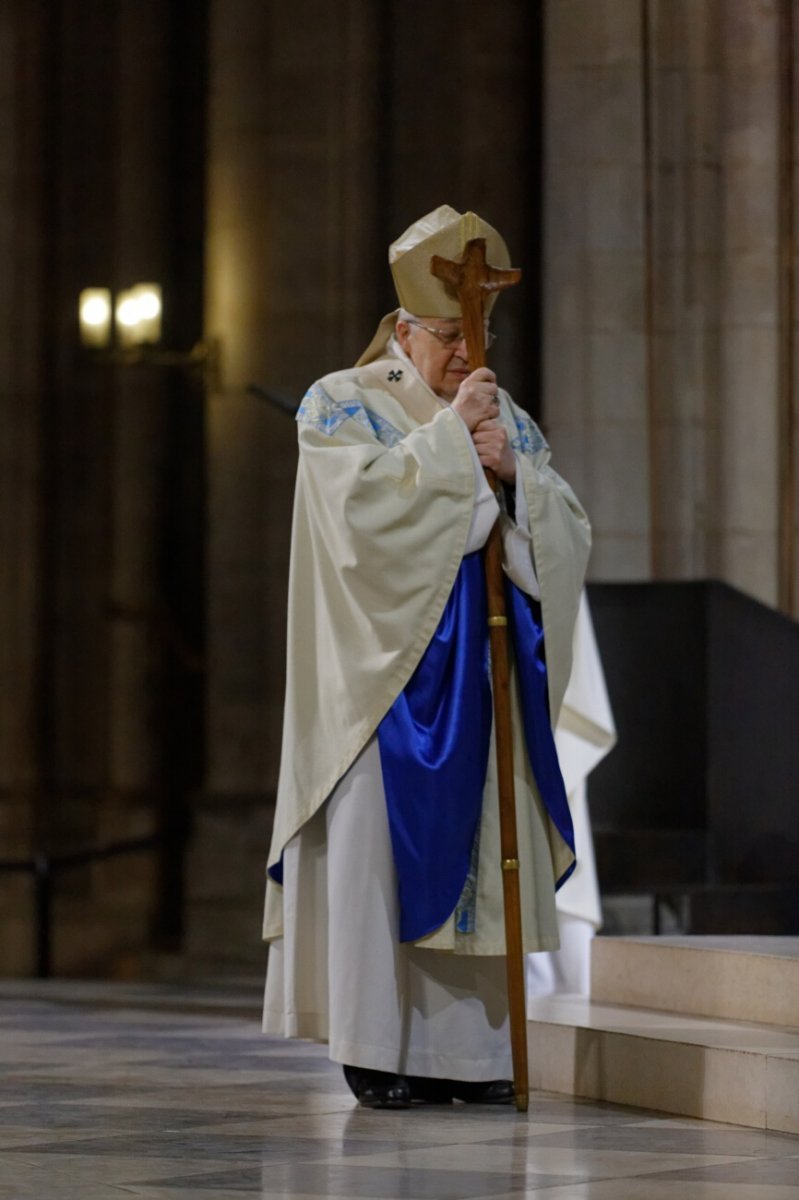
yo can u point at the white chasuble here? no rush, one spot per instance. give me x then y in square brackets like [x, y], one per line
[384, 512]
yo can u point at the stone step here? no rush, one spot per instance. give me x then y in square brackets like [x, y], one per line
[742, 1074]
[731, 978]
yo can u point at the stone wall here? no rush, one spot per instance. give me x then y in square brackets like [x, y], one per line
[666, 420]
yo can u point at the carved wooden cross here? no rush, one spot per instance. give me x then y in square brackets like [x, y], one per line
[472, 279]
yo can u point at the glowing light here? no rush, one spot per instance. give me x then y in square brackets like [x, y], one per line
[148, 299]
[149, 305]
[95, 310]
[94, 314]
[136, 312]
[128, 312]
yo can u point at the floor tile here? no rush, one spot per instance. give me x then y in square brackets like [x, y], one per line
[160, 1093]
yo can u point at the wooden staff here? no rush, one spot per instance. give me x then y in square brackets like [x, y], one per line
[471, 279]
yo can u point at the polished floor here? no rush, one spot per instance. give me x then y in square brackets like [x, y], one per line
[167, 1093]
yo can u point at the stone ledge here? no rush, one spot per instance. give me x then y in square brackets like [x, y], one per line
[690, 1066]
[730, 978]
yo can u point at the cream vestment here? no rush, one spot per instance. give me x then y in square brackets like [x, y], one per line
[384, 512]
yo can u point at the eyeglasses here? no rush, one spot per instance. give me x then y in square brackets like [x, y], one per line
[451, 337]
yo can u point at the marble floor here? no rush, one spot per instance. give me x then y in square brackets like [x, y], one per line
[167, 1093]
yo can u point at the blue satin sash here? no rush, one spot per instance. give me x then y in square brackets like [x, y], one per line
[434, 743]
[434, 746]
[527, 637]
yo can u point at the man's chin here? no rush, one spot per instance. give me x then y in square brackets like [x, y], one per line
[449, 388]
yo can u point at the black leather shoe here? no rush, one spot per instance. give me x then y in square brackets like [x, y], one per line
[444, 1091]
[499, 1091]
[378, 1089]
[425, 1090]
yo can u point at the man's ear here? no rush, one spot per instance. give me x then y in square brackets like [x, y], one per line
[402, 332]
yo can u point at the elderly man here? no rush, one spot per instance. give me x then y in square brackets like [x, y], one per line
[384, 898]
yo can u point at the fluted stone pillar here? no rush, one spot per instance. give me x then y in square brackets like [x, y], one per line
[139, 254]
[21, 379]
[463, 128]
[791, 167]
[747, 534]
[291, 272]
[595, 350]
[677, 463]
[21, 376]
[685, 263]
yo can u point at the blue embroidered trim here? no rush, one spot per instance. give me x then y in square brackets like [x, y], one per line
[466, 910]
[529, 439]
[386, 433]
[320, 410]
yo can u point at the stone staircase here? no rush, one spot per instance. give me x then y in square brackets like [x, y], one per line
[696, 1026]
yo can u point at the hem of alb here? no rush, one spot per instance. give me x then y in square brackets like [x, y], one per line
[308, 1026]
[468, 945]
[430, 1066]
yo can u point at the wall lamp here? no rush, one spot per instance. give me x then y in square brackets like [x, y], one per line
[124, 330]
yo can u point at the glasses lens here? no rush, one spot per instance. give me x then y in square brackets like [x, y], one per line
[454, 337]
[451, 337]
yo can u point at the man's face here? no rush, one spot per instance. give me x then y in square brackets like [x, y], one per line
[443, 368]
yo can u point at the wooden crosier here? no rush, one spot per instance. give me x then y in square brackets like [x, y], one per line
[471, 279]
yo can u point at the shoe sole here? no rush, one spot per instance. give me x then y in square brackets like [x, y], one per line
[377, 1102]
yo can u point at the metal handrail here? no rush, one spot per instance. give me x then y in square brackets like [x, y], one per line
[44, 867]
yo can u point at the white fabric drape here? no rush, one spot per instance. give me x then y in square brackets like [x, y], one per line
[585, 733]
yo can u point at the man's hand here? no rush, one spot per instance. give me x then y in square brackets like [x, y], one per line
[476, 398]
[494, 451]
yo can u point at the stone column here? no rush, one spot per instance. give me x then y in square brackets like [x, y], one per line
[686, 265]
[462, 129]
[747, 537]
[791, 168]
[679, 469]
[594, 390]
[139, 254]
[291, 275]
[22, 284]
[79, 420]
